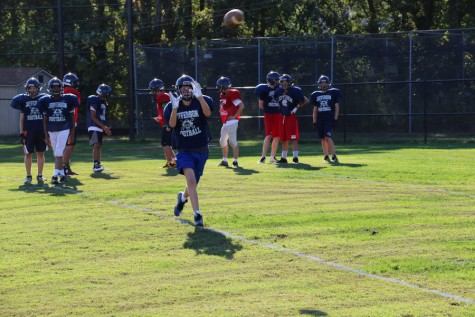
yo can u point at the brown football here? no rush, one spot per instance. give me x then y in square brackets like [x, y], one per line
[233, 18]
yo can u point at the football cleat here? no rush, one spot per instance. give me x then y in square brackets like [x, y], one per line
[223, 163]
[282, 161]
[28, 180]
[62, 179]
[295, 160]
[40, 179]
[272, 160]
[335, 160]
[198, 220]
[262, 160]
[235, 164]
[179, 204]
[97, 167]
[54, 180]
[326, 159]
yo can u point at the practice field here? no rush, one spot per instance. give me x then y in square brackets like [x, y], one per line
[390, 231]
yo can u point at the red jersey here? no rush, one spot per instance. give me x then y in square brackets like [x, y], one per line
[229, 104]
[74, 91]
[161, 99]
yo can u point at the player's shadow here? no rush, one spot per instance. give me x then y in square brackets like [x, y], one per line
[244, 171]
[299, 166]
[345, 165]
[48, 189]
[104, 176]
[209, 242]
[312, 312]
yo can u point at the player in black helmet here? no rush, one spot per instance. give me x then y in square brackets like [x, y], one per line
[326, 109]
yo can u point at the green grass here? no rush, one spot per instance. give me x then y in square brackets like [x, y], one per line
[108, 244]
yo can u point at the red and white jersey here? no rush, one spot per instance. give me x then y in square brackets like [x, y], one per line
[229, 105]
[74, 91]
[161, 99]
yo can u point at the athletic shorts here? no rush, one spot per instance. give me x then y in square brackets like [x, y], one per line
[95, 137]
[58, 141]
[325, 129]
[229, 133]
[166, 136]
[34, 140]
[289, 129]
[193, 160]
[272, 123]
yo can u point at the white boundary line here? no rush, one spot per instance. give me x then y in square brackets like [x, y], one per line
[279, 248]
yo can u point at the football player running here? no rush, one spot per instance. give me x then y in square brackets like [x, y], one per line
[272, 115]
[187, 115]
[32, 134]
[58, 121]
[230, 109]
[326, 109]
[291, 98]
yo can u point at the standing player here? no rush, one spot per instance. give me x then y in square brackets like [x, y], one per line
[32, 134]
[161, 99]
[96, 122]
[70, 85]
[326, 108]
[58, 121]
[272, 115]
[187, 116]
[290, 99]
[230, 108]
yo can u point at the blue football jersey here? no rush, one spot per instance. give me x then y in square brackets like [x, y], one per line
[191, 131]
[33, 116]
[267, 94]
[94, 103]
[59, 111]
[289, 99]
[325, 102]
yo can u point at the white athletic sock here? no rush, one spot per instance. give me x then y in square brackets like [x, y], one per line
[284, 154]
[197, 212]
[225, 159]
[61, 172]
[56, 172]
[296, 153]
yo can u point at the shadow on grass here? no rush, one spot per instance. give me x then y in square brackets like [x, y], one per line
[299, 166]
[170, 172]
[71, 187]
[312, 312]
[103, 175]
[244, 171]
[209, 242]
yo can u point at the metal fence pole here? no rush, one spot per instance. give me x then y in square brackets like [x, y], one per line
[410, 85]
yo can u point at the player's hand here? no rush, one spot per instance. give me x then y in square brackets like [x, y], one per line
[107, 131]
[196, 89]
[294, 110]
[174, 100]
[22, 138]
[335, 122]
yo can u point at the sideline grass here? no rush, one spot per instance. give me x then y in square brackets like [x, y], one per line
[94, 249]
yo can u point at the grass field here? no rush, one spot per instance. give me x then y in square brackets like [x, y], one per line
[388, 232]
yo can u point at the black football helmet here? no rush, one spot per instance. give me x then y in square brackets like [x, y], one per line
[156, 85]
[71, 80]
[184, 80]
[54, 82]
[222, 84]
[287, 78]
[273, 78]
[32, 82]
[323, 80]
[104, 91]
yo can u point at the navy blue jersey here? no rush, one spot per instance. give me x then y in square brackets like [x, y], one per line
[33, 116]
[60, 111]
[94, 103]
[325, 103]
[191, 131]
[266, 93]
[290, 99]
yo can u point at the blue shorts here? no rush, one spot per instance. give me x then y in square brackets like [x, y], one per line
[325, 129]
[166, 136]
[193, 160]
[34, 140]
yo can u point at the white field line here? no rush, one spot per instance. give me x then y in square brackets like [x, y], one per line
[281, 249]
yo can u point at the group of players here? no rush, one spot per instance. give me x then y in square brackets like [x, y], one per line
[49, 120]
[183, 115]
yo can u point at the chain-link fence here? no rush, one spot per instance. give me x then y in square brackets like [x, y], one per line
[414, 83]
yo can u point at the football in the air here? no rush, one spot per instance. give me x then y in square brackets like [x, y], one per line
[233, 18]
